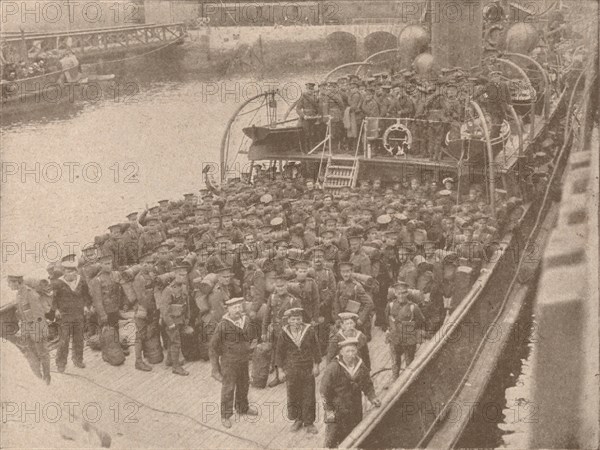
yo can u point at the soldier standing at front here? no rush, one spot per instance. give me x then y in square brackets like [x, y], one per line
[70, 298]
[404, 318]
[174, 311]
[32, 325]
[308, 110]
[298, 357]
[106, 293]
[344, 381]
[351, 297]
[145, 311]
[232, 345]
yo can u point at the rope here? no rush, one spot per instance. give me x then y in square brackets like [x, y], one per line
[164, 411]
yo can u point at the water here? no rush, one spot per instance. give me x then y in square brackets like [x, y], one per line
[92, 163]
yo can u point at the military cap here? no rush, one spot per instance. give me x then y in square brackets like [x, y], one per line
[345, 264]
[15, 277]
[445, 192]
[401, 217]
[448, 179]
[163, 202]
[354, 83]
[188, 195]
[153, 209]
[116, 226]
[310, 85]
[234, 301]
[451, 258]
[399, 284]
[355, 233]
[421, 231]
[332, 83]
[148, 257]
[348, 315]
[301, 263]
[384, 219]
[266, 198]
[294, 312]
[419, 259]
[276, 221]
[131, 214]
[69, 261]
[104, 258]
[327, 232]
[348, 341]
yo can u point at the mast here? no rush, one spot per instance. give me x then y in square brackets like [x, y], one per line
[456, 33]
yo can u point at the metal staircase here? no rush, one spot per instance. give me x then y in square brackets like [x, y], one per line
[340, 173]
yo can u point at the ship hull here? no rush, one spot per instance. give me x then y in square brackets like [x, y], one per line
[424, 397]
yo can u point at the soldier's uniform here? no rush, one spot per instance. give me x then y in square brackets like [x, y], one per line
[211, 309]
[326, 284]
[174, 313]
[106, 297]
[360, 262]
[145, 314]
[308, 109]
[297, 352]
[70, 299]
[307, 292]
[333, 105]
[352, 290]
[341, 390]
[405, 318]
[30, 313]
[149, 240]
[231, 346]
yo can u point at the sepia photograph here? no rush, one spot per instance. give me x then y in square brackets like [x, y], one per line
[266, 224]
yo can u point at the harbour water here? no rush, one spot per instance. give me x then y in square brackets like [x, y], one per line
[70, 171]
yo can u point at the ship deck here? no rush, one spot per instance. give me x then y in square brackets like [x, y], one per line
[160, 409]
[504, 161]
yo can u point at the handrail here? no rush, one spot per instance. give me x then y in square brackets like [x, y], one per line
[524, 74]
[225, 137]
[544, 75]
[84, 33]
[491, 162]
[352, 64]
[37, 34]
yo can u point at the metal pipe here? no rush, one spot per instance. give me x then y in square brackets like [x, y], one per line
[544, 75]
[492, 172]
[224, 139]
[352, 64]
[519, 129]
[382, 52]
[524, 74]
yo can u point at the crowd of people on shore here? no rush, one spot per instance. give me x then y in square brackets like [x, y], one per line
[241, 273]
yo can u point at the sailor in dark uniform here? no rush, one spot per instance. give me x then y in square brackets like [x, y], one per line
[70, 299]
[298, 357]
[232, 344]
[345, 379]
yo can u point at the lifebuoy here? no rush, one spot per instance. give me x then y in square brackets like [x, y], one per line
[488, 35]
[397, 139]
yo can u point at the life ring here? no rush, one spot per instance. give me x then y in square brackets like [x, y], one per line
[488, 35]
[397, 139]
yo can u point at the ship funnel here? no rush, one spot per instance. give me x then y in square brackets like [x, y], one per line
[413, 40]
[521, 38]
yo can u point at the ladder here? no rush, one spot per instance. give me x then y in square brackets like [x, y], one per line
[340, 173]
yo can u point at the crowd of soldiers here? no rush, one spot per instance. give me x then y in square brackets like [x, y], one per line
[347, 101]
[245, 264]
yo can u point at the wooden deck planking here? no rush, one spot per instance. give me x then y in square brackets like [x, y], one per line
[187, 408]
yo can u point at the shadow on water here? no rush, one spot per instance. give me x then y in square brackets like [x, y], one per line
[503, 407]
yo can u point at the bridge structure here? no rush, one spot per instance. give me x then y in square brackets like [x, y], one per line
[91, 45]
[362, 37]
